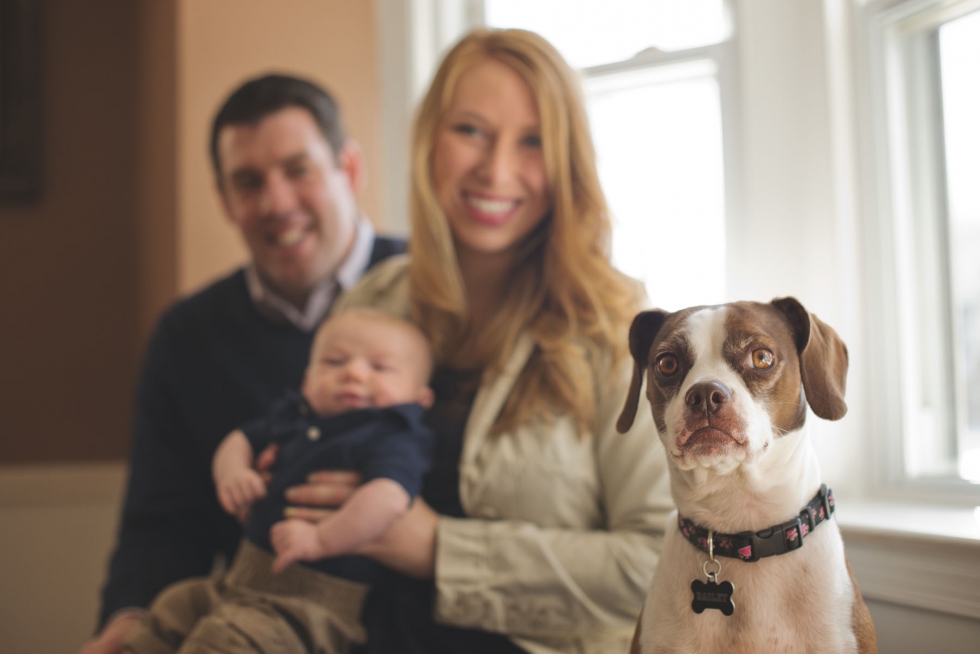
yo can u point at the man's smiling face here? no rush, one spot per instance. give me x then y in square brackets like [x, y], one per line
[292, 199]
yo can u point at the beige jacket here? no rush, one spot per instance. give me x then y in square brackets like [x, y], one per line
[564, 532]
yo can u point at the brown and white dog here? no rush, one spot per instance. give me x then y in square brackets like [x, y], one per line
[728, 386]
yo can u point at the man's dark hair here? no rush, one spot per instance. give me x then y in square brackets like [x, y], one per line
[261, 96]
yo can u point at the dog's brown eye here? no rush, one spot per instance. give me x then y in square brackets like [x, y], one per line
[762, 359]
[667, 364]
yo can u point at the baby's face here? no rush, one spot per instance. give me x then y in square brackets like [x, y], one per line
[363, 361]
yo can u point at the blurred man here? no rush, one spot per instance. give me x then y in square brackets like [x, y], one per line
[288, 178]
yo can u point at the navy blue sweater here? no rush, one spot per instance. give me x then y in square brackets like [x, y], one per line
[213, 363]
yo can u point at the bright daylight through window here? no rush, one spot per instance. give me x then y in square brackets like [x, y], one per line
[959, 53]
[931, 216]
[651, 78]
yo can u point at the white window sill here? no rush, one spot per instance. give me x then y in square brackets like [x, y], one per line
[915, 555]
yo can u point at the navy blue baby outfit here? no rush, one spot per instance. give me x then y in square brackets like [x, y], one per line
[389, 442]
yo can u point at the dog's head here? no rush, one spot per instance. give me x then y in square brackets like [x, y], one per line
[724, 382]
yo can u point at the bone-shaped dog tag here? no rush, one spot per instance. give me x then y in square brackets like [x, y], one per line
[711, 595]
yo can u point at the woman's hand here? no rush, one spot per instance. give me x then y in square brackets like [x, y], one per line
[408, 547]
[327, 488]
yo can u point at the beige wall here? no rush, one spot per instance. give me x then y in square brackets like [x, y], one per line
[223, 42]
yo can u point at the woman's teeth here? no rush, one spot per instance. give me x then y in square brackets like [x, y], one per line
[492, 207]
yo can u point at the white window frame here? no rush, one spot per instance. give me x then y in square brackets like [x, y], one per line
[905, 179]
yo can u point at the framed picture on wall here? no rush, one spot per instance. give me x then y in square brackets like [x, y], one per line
[20, 101]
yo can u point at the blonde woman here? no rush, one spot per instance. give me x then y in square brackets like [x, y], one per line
[540, 526]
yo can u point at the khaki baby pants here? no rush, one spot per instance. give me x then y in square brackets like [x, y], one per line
[250, 610]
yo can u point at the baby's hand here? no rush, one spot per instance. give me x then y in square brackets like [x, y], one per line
[238, 490]
[295, 540]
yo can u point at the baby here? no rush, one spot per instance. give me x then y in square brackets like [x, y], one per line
[363, 397]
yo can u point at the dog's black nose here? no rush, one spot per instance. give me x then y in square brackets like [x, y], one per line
[708, 396]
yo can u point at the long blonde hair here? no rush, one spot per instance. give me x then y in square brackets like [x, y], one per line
[564, 291]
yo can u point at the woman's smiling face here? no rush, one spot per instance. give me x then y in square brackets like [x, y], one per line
[487, 165]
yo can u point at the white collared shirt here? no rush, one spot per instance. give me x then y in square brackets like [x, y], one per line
[322, 296]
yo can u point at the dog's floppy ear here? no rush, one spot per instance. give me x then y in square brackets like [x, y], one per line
[644, 329]
[823, 359]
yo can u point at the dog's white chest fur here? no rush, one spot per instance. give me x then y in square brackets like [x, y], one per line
[795, 602]
[726, 387]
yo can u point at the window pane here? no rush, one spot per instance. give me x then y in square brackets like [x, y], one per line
[959, 43]
[593, 32]
[659, 148]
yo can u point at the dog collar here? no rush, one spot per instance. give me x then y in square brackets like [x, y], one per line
[779, 539]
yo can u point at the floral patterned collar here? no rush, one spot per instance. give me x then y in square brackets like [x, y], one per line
[779, 539]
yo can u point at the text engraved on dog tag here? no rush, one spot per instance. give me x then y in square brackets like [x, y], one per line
[709, 595]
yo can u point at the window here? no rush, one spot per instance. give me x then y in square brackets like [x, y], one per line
[928, 224]
[655, 80]
[959, 52]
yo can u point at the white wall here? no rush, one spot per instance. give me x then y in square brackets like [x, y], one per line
[795, 229]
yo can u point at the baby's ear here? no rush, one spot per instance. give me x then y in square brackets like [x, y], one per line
[426, 397]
